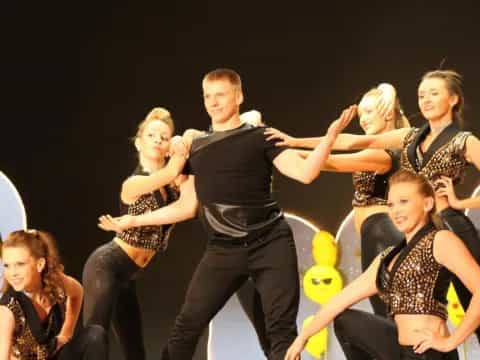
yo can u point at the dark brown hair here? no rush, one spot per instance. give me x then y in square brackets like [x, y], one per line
[454, 83]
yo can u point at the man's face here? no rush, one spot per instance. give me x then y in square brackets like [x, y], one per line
[222, 99]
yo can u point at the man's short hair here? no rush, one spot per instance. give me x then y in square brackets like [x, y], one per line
[228, 74]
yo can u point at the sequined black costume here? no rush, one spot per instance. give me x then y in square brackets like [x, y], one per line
[109, 275]
[377, 231]
[445, 157]
[414, 284]
[34, 339]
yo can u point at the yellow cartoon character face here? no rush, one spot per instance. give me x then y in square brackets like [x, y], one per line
[317, 344]
[321, 283]
[454, 308]
[324, 248]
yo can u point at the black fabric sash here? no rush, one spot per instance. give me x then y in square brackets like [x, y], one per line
[33, 321]
[445, 136]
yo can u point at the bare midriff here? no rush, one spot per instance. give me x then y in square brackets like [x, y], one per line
[409, 326]
[139, 256]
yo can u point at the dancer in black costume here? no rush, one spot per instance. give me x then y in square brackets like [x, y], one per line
[412, 278]
[110, 273]
[437, 150]
[379, 111]
[40, 304]
[248, 236]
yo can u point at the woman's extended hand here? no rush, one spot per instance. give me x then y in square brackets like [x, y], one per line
[294, 351]
[61, 341]
[283, 139]
[117, 224]
[337, 126]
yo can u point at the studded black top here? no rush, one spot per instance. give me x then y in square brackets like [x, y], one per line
[148, 237]
[416, 283]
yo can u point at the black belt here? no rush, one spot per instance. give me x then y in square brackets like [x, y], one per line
[239, 221]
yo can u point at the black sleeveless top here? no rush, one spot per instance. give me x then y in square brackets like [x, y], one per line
[370, 187]
[417, 283]
[33, 339]
[148, 237]
[444, 157]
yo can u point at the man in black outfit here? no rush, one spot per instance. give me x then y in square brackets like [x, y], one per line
[229, 186]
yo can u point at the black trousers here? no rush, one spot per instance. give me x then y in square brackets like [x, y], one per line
[365, 336]
[457, 222]
[271, 262]
[251, 303]
[377, 233]
[89, 344]
[110, 297]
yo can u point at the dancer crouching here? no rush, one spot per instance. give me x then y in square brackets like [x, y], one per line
[40, 304]
[412, 278]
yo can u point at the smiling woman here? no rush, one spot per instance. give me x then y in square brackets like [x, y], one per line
[439, 150]
[12, 212]
[379, 111]
[40, 305]
[412, 278]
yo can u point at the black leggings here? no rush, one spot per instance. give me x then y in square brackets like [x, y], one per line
[365, 336]
[377, 233]
[457, 222]
[88, 344]
[110, 297]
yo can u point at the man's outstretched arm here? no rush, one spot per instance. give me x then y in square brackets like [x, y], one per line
[306, 169]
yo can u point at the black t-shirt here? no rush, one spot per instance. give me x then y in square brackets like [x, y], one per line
[233, 166]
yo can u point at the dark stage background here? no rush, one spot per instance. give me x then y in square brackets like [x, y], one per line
[77, 79]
